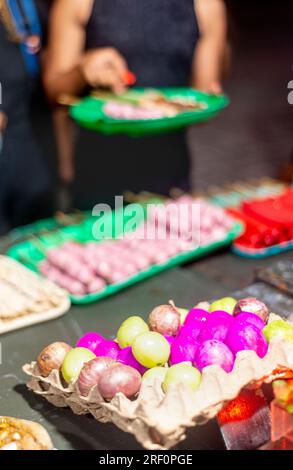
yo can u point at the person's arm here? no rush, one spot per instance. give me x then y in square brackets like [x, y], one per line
[69, 69]
[212, 51]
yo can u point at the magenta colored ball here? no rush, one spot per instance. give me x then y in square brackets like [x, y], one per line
[183, 350]
[195, 315]
[107, 348]
[251, 319]
[214, 352]
[90, 341]
[244, 336]
[191, 331]
[216, 326]
[126, 357]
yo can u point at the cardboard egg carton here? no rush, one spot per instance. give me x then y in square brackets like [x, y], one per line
[160, 420]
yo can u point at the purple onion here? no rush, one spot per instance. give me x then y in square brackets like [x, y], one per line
[119, 379]
[243, 336]
[183, 350]
[107, 348]
[126, 357]
[216, 326]
[91, 373]
[251, 318]
[90, 341]
[252, 305]
[214, 352]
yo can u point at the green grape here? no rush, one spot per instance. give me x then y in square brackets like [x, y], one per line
[183, 312]
[74, 361]
[278, 329]
[155, 373]
[151, 349]
[129, 330]
[183, 373]
[226, 304]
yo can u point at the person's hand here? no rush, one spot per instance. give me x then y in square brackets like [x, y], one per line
[105, 67]
[213, 87]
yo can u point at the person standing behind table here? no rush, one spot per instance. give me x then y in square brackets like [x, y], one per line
[95, 42]
[23, 178]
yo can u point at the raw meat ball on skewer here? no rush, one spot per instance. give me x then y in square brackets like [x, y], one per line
[70, 265]
[73, 286]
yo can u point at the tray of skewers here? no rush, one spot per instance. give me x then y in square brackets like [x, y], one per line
[175, 371]
[141, 111]
[91, 265]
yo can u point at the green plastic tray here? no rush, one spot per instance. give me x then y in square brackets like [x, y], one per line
[32, 252]
[89, 113]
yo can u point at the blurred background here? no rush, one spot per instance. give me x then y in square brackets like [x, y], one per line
[251, 139]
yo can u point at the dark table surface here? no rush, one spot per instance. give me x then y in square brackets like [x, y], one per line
[210, 278]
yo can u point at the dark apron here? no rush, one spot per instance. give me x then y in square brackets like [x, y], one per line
[157, 39]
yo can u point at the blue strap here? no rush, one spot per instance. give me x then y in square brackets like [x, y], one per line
[27, 24]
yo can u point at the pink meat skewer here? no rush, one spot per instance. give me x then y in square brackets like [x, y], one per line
[71, 265]
[73, 286]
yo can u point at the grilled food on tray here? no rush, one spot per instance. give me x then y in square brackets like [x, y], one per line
[26, 298]
[153, 105]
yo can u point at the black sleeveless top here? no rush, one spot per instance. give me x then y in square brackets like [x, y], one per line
[156, 37]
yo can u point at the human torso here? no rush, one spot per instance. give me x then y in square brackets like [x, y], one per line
[156, 37]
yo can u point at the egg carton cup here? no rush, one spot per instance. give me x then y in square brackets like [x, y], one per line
[159, 421]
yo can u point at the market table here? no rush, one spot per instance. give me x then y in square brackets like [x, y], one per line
[210, 278]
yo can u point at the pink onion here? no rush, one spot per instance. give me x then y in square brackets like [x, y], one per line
[90, 341]
[216, 326]
[91, 373]
[107, 348]
[214, 352]
[246, 337]
[165, 319]
[119, 379]
[252, 305]
[126, 357]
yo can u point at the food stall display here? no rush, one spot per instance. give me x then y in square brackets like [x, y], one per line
[90, 270]
[178, 370]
